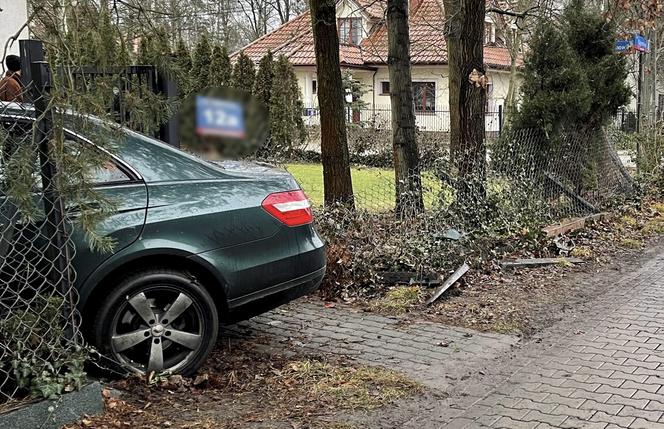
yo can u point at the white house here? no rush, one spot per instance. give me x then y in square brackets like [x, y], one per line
[363, 52]
[13, 15]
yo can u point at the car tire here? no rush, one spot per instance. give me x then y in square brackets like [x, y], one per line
[180, 345]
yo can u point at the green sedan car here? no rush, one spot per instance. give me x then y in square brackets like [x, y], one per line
[197, 245]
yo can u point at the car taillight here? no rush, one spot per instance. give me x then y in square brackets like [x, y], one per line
[291, 208]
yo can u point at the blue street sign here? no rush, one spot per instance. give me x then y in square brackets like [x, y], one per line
[219, 118]
[623, 45]
[637, 43]
[641, 44]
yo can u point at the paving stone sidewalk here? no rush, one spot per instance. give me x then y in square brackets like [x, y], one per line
[603, 369]
[439, 356]
[601, 366]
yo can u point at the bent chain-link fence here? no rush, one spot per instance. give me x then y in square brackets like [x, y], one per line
[39, 324]
[531, 180]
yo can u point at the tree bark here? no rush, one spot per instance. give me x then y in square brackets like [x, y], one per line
[510, 101]
[337, 182]
[465, 51]
[408, 183]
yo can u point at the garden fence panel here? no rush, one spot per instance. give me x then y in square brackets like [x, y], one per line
[39, 323]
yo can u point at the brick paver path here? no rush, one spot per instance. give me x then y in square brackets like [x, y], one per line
[604, 369]
[438, 356]
[601, 367]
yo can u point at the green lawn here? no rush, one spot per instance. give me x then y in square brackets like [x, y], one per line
[373, 187]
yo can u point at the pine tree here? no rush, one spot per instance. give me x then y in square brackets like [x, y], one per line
[220, 67]
[124, 54]
[264, 79]
[244, 73]
[286, 124]
[161, 49]
[183, 67]
[145, 55]
[592, 38]
[201, 63]
[355, 89]
[554, 90]
[108, 49]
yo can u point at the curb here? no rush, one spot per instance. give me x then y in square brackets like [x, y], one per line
[55, 413]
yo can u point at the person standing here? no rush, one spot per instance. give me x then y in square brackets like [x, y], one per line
[11, 88]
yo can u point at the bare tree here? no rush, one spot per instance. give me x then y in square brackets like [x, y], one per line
[337, 182]
[467, 97]
[408, 183]
[257, 14]
[287, 9]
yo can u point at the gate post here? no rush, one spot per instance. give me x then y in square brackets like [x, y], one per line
[55, 230]
[169, 132]
[31, 50]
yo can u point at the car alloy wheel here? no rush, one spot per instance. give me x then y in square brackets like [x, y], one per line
[161, 322]
[157, 330]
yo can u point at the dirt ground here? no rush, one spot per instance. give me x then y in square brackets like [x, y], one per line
[525, 300]
[244, 385]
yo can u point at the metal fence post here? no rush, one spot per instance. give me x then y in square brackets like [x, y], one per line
[55, 230]
[500, 119]
[31, 51]
[169, 132]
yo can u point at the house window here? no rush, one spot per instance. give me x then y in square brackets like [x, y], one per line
[350, 30]
[385, 88]
[489, 33]
[314, 87]
[424, 95]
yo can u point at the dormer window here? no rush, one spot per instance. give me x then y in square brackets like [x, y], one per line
[350, 30]
[489, 33]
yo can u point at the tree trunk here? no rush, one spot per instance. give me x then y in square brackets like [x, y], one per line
[334, 145]
[510, 100]
[513, 44]
[465, 51]
[408, 183]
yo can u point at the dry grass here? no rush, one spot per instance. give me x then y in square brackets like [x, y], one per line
[581, 252]
[654, 226]
[507, 327]
[363, 388]
[631, 243]
[398, 300]
[564, 263]
[659, 208]
[629, 221]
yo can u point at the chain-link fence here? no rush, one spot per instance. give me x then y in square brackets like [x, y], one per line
[531, 180]
[572, 174]
[40, 351]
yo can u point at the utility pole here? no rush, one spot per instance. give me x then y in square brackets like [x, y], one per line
[639, 87]
[654, 53]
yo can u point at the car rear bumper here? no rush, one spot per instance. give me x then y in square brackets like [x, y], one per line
[307, 283]
[268, 299]
[251, 270]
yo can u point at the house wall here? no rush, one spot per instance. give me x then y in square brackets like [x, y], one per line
[378, 105]
[13, 14]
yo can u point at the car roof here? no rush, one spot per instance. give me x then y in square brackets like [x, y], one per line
[154, 160]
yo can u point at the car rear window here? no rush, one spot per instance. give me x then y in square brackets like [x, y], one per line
[158, 162]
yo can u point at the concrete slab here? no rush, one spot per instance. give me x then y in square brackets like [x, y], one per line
[53, 414]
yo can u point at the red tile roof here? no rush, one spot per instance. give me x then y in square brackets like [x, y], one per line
[295, 40]
[374, 8]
